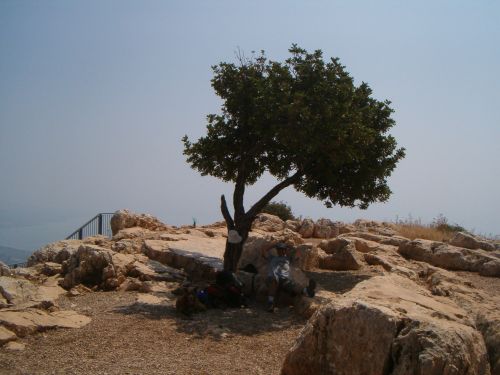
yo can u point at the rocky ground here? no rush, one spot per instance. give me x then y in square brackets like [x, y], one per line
[385, 304]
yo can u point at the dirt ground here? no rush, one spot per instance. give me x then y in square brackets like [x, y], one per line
[129, 337]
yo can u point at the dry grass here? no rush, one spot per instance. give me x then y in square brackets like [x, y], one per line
[415, 230]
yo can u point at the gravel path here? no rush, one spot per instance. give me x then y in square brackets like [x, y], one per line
[128, 337]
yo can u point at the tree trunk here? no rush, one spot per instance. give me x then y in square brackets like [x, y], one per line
[242, 221]
[233, 251]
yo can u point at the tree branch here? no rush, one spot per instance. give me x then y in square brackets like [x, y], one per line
[225, 213]
[261, 203]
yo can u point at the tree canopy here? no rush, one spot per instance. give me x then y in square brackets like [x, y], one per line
[305, 122]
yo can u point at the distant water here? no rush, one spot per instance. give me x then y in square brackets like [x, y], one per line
[10, 255]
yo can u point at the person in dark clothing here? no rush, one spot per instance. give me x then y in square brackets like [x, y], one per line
[279, 278]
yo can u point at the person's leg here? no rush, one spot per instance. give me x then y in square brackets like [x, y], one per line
[272, 291]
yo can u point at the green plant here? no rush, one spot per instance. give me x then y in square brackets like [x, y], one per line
[306, 123]
[280, 209]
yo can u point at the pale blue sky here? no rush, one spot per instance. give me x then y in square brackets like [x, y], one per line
[96, 95]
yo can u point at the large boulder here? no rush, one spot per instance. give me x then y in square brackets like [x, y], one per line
[268, 223]
[325, 228]
[91, 265]
[339, 255]
[56, 252]
[196, 265]
[451, 257]
[490, 328]
[4, 269]
[388, 325]
[306, 229]
[293, 225]
[123, 219]
[461, 239]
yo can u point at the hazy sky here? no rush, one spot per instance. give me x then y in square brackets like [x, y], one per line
[96, 95]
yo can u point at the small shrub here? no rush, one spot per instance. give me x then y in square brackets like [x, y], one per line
[280, 209]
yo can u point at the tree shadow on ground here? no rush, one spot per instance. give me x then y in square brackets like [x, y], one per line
[338, 281]
[219, 323]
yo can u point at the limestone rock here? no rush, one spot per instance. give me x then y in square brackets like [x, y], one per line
[253, 246]
[4, 269]
[461, 239]
[15, 346]
[29, 321]
[341, 259]
[154, 271]
[388, 325]
[451, 257]
[51, 268]
[346, 228]
[126, 219]
[133, 233]
[268, 223]
[307, 228]
[293, 225]
[127, 245]
[325, 228]
[22, 293]
[490, 328]
[89, 265]
[308, 256]
[196, 265]
[6, 335]
[334, 245]
[56, 252]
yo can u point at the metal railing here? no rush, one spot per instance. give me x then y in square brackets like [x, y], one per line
[99, 224]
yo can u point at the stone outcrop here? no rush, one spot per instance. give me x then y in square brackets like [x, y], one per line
[293, 225]
[4, 269]
[196, 265]
[306, 229]
[123, 219]
[340, 255]
[6, 335]
[56, 252]
[90, 265]
[388, 325]
[451, 257]
[21, 293]
[325, 228]
[268, 223]
[461, 239]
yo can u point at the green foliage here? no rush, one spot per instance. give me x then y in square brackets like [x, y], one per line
[280, 209]
[305, 118]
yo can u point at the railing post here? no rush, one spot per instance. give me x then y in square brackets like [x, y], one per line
[80, 233]
[99, 224]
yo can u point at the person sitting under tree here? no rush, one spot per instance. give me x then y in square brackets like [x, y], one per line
[279, 277]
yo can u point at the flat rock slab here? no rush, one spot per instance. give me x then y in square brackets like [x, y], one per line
[197, 265]
[29, 321]
[15, 346]
[22, 293]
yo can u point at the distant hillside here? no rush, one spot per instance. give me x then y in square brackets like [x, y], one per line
[10, 255]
